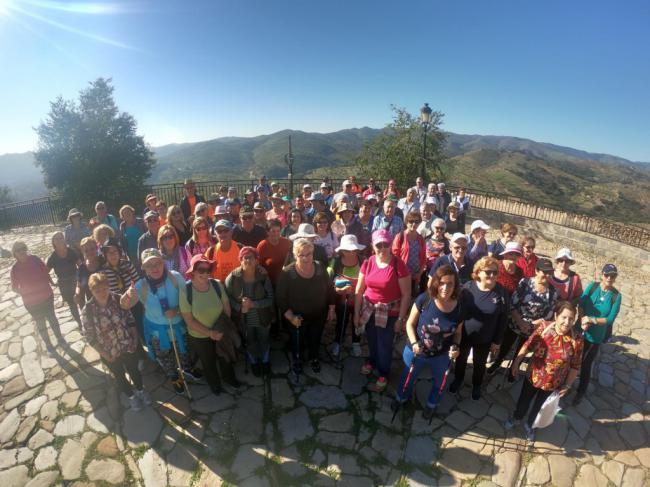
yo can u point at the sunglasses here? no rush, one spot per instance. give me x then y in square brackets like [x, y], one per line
[222, 230]
[491, 273]
[416, 222]
[259, 211]
[202, 270]
[611, 276]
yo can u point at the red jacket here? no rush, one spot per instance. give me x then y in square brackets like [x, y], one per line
[528, 267]
[401, 246]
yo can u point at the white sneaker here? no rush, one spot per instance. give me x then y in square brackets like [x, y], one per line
[356, 349]
[134, 401]
[144, 397]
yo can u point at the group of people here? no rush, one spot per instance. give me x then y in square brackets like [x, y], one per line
[196, 284]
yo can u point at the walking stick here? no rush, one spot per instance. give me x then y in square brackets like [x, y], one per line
[181, 372]
[297, 365]
[342, 335]
[405, 386]
[444, 381]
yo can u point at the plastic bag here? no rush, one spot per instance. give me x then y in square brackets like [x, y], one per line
[548, 411]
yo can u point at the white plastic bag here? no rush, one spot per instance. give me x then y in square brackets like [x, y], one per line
[548, 411]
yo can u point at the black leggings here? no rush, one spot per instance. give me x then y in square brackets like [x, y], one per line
[206, 351]
[530, 393]
[509, 339]
[589, 354]
[341, 310]
[125, 363]
[481, 353]
[67, 289]
[308, 337]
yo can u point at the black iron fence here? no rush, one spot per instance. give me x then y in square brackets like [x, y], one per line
[50, 210]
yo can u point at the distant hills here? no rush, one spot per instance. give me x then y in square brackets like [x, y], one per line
[597, 184]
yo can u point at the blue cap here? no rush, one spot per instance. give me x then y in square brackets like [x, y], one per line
[224, 223]
[610, 269]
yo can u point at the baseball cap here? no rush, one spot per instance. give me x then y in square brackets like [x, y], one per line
[610, 269]
[544, 265]
[306, 186]
[224, 223]
[459, 236]
[564, 253]
[258, 206]
[382, 235]
[151, 214]
[479, 224]
[512, 248]
[246, 210]
[315, 197]
[150, 254]
[221, 210]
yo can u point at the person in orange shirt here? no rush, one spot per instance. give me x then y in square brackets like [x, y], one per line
[213, 201]
[190, 199]
[161, 208]
[225, 254]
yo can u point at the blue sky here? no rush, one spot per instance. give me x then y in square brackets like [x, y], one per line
[572, 73]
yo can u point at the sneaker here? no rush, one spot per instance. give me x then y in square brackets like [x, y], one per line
[530, 433]
[315, 366]
[476, 393]
[378, 386]
[453, 387]
[366, 369]
[144, 397]
[493, 369]
[178, 386]
[356, 349]
[135, 403]
[427, 413]
[335, 349]
[193, 374]
[511, 423]
[257, 369]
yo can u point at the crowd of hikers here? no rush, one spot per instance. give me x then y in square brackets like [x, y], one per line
[196, 285]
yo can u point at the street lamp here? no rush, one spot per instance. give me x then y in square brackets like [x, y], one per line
[425, 119]
[288, 159]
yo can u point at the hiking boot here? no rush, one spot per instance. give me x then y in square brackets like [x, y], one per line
[367, 368]
[476, 392]
[135, 403]
[257, 369]
[178, 386]
[315, 366]
[530, 432]
[427, 412]
[144, 397]
[356, 349]
[511, 423]
[379, 386]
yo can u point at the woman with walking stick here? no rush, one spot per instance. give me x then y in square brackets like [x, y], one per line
[557, 351]
[164, 329]
[434, 329]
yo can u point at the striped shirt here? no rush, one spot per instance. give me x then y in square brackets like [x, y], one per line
[120, 278]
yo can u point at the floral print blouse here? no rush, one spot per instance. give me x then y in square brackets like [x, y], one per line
[532, 305]
[553, 356]
[109, 328]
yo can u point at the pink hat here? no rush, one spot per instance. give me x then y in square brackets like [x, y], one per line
[511, 248]
[247, 250]
[382, 235]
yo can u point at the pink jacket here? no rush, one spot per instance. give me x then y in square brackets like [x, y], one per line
[401, 246]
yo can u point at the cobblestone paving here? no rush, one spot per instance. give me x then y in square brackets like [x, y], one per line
[61, 423]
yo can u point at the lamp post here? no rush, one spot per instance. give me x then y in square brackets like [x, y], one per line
[288, 159]
[425, 119]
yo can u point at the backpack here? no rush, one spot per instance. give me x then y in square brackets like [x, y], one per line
[612, 298]
[188, 289]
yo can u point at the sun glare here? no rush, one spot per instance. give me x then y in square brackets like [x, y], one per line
[4, 7]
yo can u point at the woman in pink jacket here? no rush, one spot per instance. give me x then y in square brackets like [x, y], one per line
[408, 246]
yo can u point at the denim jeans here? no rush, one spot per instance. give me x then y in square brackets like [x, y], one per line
[380, 344]
[438, 365]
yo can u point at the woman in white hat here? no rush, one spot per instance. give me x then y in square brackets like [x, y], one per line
[344, 271]
[566, 281]
[306, 230]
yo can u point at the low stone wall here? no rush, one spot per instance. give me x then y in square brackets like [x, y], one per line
[565, 236]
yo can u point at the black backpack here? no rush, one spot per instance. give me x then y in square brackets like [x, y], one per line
[188, 289]
[612, 298]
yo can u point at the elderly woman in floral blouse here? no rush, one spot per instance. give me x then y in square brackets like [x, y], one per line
[111, 331]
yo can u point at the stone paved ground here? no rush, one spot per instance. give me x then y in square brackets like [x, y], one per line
[60, 423]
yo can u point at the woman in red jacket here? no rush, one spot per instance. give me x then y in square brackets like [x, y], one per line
[408, 246]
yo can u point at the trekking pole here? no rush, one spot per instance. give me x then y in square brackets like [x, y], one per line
[450, 367]
[181, 372]
[342, 335]
[297, 365]
[405, 386]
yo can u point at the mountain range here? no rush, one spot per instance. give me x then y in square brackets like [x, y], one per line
[597, 184]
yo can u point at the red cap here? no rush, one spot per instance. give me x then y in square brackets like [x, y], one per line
[197, 259]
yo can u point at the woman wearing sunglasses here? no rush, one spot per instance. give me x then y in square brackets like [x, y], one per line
[381, 304]
[532, 302]
[201, 240]
[408, 245]
[486, 306]
[528, 261]
[566, 281]
[175, 256]
[508, 234]
[325, 237]
[176, 219]
[599, 307]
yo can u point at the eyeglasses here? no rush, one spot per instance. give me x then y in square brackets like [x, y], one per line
[304, 256]
[202, 270]
[491, 273]
[167, 237]
[416, 222]
[610, 276]
[382, 245]
[248, 257]
[439, 228]
[222, 230]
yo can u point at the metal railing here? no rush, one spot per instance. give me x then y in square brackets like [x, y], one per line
[50, 210]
